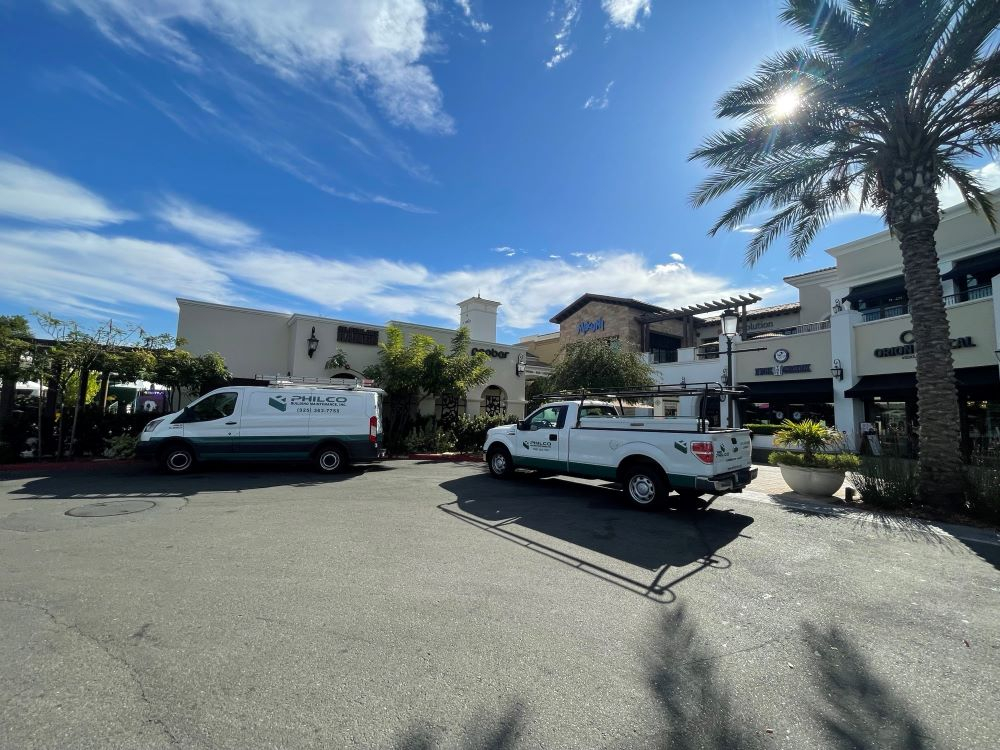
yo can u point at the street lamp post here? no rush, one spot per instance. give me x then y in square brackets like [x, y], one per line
[729, 321]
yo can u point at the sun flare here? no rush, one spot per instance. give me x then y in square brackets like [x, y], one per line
[786, 104]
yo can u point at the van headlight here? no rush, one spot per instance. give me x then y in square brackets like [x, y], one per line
[150, 426]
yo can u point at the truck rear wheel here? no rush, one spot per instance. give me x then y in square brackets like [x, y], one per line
[499, 462]
[644, 486]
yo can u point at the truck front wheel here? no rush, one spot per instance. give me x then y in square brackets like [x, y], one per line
[644, 486]
[499, 462]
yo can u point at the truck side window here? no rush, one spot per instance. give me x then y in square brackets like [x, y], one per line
[549, 418]
[214, 407]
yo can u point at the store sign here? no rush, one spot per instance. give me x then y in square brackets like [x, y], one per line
[590, 326]
[758, 325]
[494, 353]
[352, 335]
[908, 349]
[782, 369]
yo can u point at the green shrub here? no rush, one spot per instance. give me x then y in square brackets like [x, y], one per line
[887, 481]
[982, 483]
[121, 446]
[470, 432]
[838, 461]
[809, 435]
[432, 440]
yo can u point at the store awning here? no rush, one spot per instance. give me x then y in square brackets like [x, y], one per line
[975, 265]
[818, 390]
[902, 382]
[883, 288]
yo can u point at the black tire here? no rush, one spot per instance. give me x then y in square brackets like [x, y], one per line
[499, 462]
[330, 459]
[177, 458]
[688, 500]
[644, 486]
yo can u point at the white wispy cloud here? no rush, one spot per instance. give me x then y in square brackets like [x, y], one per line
[81, 80]
[209, 226]
[477, 24]
[374, 46]
[568, 15]
[747, 229]
[626, 14]
[32, 194]
[600, 101]
[94, 273]
[988, 176]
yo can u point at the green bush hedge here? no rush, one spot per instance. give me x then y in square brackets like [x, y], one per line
[763, 429]
[839, 461]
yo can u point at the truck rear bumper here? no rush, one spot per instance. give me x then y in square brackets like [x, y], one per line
[734, 481]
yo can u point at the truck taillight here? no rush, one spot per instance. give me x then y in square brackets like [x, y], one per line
[704, 451]
[373, 430]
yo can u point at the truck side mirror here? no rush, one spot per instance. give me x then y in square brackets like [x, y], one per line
[522, 425]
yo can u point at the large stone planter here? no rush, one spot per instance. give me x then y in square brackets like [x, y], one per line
[807, 481]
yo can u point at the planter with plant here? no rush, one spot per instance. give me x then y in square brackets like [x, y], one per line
[811, 472]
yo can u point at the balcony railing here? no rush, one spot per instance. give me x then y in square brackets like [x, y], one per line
[894, 311]
[979, 292]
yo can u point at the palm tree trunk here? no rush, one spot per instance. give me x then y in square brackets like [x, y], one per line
[913, 215]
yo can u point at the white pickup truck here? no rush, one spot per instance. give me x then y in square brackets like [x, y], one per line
[648, 456]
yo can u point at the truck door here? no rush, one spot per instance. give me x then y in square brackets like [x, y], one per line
[543, 443]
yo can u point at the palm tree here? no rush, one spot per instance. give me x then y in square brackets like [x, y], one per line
[886, 99]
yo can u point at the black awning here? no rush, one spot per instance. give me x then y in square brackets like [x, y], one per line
[905, 383]
[974, 265]
[813, 389]
[883, 288]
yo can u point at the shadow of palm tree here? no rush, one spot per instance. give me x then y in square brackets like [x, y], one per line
[485, 733]
[862, 712]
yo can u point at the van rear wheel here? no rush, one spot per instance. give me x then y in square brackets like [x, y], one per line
[330, 459]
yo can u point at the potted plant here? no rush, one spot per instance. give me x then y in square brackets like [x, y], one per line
[811, 472]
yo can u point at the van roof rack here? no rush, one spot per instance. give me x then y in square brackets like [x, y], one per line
[340, 384]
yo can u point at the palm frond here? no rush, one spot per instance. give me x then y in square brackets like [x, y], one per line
[831, 28]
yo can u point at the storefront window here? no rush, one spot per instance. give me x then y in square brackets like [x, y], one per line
[775, 412]
[983, 421]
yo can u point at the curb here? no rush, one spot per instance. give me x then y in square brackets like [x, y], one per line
[83, 464]
[442, 457]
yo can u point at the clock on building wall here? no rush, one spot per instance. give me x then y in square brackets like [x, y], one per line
[781, 356]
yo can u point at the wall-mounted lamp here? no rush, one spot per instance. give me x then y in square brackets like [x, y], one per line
[837, 370]
[312, 342]
[520, 365]
[838, 306]
[684, 383]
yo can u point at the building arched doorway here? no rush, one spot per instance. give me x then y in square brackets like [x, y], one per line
[493, 401]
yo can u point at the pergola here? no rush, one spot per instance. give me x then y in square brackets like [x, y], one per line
[686, 314]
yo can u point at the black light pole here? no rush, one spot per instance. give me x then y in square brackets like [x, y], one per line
[729, 321]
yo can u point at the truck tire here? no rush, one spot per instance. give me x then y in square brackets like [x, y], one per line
[177, 458]
[644, 486]
[499, 462]
[330, 459]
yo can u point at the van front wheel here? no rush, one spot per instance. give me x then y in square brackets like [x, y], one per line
[177, 459]
[331, 459]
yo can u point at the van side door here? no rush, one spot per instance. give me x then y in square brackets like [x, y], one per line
[274, 427]
[543, 442]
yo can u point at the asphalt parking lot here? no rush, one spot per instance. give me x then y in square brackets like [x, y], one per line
[427, 605]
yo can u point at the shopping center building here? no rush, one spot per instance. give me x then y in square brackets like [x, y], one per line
[843, 353]
[260, 345]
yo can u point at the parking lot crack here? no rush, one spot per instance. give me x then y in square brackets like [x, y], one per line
[129, 669]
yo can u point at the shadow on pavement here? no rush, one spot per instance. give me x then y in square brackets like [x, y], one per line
[861, 712]
[589, 528]
[143, 481]
[488, 732]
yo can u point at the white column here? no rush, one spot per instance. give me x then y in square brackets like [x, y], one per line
[948, 286]
[848, 413]
[996, 312]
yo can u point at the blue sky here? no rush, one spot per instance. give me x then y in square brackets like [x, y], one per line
[371, 160]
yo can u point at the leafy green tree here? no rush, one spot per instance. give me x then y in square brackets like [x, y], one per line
[184, 372]
[411, 371]
[15, 352]
[885, 100]
[595, 364]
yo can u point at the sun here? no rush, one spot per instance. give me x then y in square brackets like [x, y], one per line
[785, 104]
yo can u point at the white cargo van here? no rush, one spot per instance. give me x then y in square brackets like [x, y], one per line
[332, 426]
